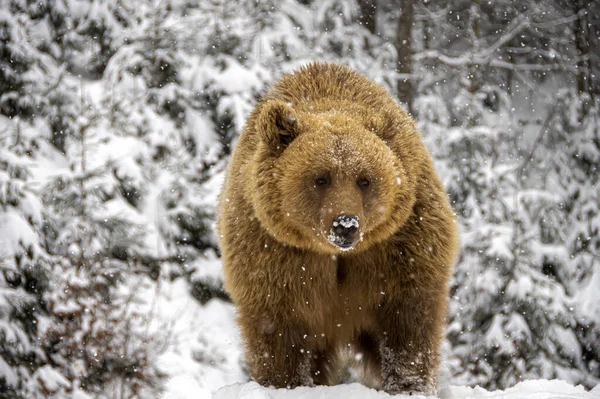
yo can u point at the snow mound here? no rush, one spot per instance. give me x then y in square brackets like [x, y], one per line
[534, 389]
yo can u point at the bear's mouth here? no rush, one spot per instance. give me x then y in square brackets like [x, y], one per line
[343, 232]
[343, 243]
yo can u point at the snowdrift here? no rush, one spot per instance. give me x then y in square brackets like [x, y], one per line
[534, 389]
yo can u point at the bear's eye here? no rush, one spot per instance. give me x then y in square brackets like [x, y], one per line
[363, 182]
[321, 181]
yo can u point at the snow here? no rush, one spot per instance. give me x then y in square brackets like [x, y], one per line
[589, 296]
[233, 79]
[208, 268]
[205, 352]
[202, 130]
[534, 389]
[14, 233]
[50, 379]
[568, 342]
[347, 222]
[7, 372]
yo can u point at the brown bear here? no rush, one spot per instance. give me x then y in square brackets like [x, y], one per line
[336, 236]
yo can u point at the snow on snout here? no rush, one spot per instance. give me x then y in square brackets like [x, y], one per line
[347, 222]
[338, 241]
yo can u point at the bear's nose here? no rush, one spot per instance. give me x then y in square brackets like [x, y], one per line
[345, 225]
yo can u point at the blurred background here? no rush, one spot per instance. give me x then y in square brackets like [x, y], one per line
[117, 118]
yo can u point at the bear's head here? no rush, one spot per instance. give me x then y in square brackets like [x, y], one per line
[331, 181]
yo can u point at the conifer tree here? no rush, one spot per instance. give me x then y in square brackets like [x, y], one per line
[24, 265]
[92, 338]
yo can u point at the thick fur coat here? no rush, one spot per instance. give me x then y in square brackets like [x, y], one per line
[324, 143]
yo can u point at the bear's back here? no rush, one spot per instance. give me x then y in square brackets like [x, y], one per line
[331, 83]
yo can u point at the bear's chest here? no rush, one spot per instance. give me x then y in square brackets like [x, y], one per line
[336, 294]
[359, 285]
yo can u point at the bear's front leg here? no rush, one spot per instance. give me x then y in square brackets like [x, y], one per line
[276, 352]
[412, 324]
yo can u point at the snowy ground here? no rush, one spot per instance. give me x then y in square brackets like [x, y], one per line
[203, 360]
[204, 351]
[540, 389]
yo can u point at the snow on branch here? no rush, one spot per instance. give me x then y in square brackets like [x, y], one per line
[484, 56]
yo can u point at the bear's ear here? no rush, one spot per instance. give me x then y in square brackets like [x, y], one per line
[277, 125]
[381, 124]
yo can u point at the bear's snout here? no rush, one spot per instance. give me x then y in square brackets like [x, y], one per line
[343, 231]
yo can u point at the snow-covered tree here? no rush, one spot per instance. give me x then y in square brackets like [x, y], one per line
[93, 337]
[24, 265]
[515, 310]
[568, 164]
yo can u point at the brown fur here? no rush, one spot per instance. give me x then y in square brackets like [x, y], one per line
[302, 301]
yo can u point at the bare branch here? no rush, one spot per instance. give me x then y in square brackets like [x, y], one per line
[483, 57]
[559, 21]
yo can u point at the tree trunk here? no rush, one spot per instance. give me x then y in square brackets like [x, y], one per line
[582, 42]
[426, 32]
[368, 14]
[475, 71]
[404, 50]
[509, 77]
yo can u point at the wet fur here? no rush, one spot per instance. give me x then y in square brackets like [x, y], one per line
[300, 302]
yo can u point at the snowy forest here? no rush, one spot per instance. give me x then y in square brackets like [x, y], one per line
[117, 119]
